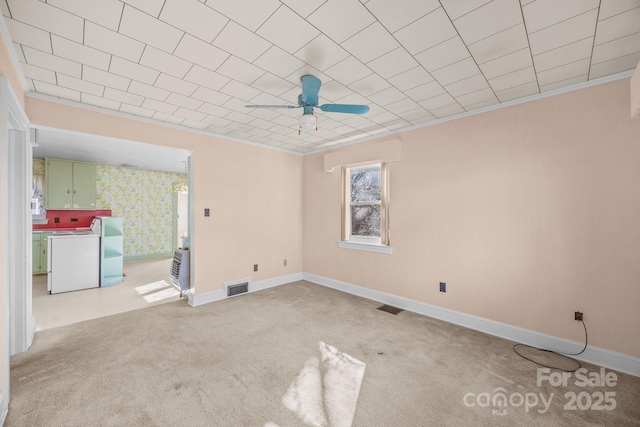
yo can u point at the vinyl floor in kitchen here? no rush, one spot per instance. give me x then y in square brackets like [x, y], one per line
[146, 283]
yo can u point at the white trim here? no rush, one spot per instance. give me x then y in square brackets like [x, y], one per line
[598, 356]
[5, 405]
[369, 247]
[595, 82]
[196, 300]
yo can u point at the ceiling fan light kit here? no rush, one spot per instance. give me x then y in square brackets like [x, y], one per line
[308, 100]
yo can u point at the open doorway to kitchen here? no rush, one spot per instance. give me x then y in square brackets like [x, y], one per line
[133, 181]
[180, 213]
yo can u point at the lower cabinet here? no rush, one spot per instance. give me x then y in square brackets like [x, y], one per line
[39, 252]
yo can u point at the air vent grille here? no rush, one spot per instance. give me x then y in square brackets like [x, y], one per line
[240, 288]
[390, 309]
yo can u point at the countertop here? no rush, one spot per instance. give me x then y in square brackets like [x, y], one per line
[63, 230]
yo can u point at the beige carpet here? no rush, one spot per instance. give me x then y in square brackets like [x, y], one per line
[258, 360]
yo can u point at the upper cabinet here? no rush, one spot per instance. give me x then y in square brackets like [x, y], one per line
[70, 185]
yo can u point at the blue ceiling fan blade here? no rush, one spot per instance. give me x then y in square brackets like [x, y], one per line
[345, 108]
[310, 89]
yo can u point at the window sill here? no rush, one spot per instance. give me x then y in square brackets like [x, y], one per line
[381, 249]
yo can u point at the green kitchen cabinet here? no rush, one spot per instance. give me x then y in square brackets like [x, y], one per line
[69, 184]
[39, 252]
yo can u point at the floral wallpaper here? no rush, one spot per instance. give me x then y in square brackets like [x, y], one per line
[144, 201]
[38, 166]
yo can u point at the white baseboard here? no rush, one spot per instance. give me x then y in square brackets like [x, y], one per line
[195, 300]
[598, 356]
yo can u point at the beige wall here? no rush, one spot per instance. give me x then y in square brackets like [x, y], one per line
[255, 195]
[528, 213]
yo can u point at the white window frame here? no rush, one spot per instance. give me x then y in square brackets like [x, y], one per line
[372, 244]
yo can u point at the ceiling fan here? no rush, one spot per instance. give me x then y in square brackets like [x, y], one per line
[308, 100]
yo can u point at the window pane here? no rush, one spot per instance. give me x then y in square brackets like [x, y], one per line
[365, 185]
[365, 220]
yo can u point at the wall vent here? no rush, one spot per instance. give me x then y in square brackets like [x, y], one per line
[236, 287]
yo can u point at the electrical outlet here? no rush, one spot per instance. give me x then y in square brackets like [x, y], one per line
[578, 316]
[56, 220]
[443, 287]
[255, 267]
[74, 219]
[284, 263]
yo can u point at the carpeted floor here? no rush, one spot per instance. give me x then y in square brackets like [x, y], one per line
[232, 362]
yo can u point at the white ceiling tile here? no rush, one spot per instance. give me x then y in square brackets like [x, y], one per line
[240, 117]
[516, 78]
[48, 18]
[518, 92]
[31, 85]
[210, 96]
[28, 35]
[417, 115]
[201, 53]
[332, 91]
[278, 62]
[348, 70]
[240, 70]
[214, 110]
[563, 33]
[115, 43]
[264, 98]
[613, 66]
[563, 83]
[37, 73]
[152, 7]
[240, 90]
[5, 9]
[395, 62]
[437, 101]
[443, 54]
[190, 114]
[104, 12]
[184, 101]
[492, 18]
[425, 91]
[262, 124]
[99, 101]
[369, 85]
[476, 97]
[137, 111]
[164, 62]
[163, 107]
[411, 78]
[482, 104]
[618, 26]
[207, 78]
[195, 124]
[341, 19]
[169, 118]
[387, 96]
[104, 78]
[426, 32]
[370, 43]
[402, 106]
[322, 53]
[448, 110]
[148, 91]
[194, 18]
[80, 53]
[50, 62]
[617, 48]
[241, 42]
[507, 64]
[174, 84]
[303, 8]
[251, 14]
[497, 45]
[120, 96]
[286, 29]
[468, 85]
[57, 91]
[456, 72]
[19, 53]
[149, 30]
[80, 85]
[272, 84]
[609, 8]
[545, 13]
[134, 71]
[284, 121]
[456, 8]
[525, 2]
[563, 55]
[396, 14]
[240, 105]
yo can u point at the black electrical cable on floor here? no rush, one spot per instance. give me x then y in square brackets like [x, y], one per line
[559, 353]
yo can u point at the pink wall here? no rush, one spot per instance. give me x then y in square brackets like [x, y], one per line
[255, 195]
[528, 213]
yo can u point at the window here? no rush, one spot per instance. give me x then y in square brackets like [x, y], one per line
[365, 202]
